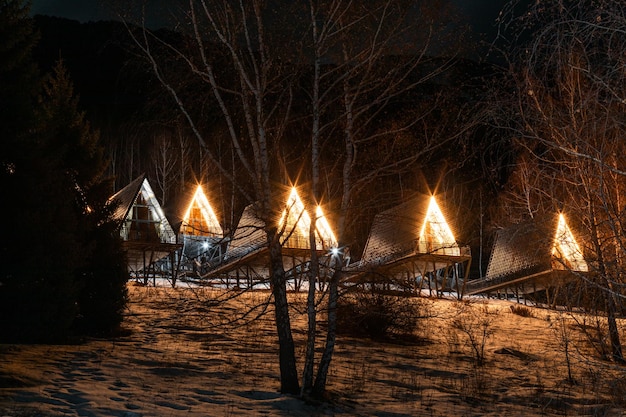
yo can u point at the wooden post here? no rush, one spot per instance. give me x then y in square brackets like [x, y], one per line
[445, 278]
[465, 276]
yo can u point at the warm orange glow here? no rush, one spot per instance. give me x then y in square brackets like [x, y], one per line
[324, 229]
[200, 219]
[436, 236]
[298, 217]
[566, 250]
[296, 222]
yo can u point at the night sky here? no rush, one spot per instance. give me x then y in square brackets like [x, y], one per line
[479, 13]
[82, 10]
[93, 10]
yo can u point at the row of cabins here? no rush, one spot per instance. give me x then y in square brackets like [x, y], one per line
[411, 247]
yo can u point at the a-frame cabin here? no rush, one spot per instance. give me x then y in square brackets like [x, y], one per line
[146, 233]
[200, 232]
[412, 247]
[539, 254]
[246, 261]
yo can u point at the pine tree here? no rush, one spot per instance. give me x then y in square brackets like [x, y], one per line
[18, 75]
[103, 293]
[36, 285]
[63, 265]
[101, 276]
[68, 130]
[39, 289]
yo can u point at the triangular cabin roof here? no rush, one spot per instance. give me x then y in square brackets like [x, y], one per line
[249, 234]
[416, 226]
[125, 198]
[199, 218]
[139, 213]
[540, 244]
[294, 223]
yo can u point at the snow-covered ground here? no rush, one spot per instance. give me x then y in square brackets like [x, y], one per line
[186, 354]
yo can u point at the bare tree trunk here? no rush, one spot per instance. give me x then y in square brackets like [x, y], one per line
[287, 359]
[309, 359]
[607, 291]
[183, 158]
[164, 165]
[616, 345]
[331, 336]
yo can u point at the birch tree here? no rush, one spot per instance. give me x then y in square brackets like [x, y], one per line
[164, 162]
[344, 65]
[255, 108]
[571, 89]
[366, 59]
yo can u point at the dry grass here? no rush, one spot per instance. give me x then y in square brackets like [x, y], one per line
[521, 310]
[188, 354]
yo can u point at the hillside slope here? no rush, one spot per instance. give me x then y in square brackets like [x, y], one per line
[183, 356]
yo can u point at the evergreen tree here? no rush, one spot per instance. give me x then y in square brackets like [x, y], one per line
[39, 289]
[101, 276]
[62, 259]
[68, 131]
[18, 76]
[37, 285]
[103, 293]
[38, 295]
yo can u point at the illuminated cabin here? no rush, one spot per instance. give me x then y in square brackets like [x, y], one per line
[412, 247]
[295, 223]
[535, 255]
[147, 235]
[246, 259]
[200, 230]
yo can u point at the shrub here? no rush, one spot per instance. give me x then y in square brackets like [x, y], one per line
[378, 316]
[521, 311]
[476, 327]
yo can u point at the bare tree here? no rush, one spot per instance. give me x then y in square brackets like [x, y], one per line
[366, 59]
[164, 162]
[255, 107]
[184, 156]
[250, 56]
[571, 93]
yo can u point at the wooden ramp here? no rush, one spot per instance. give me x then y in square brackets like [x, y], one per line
[415, 262]
[225, 265]
[528, 282]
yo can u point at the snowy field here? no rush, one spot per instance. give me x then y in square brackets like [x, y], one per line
[187, 354]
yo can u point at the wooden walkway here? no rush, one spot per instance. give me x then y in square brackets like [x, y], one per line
[525, 281]
[487, 285]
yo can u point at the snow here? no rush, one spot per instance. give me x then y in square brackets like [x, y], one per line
[186, 354]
